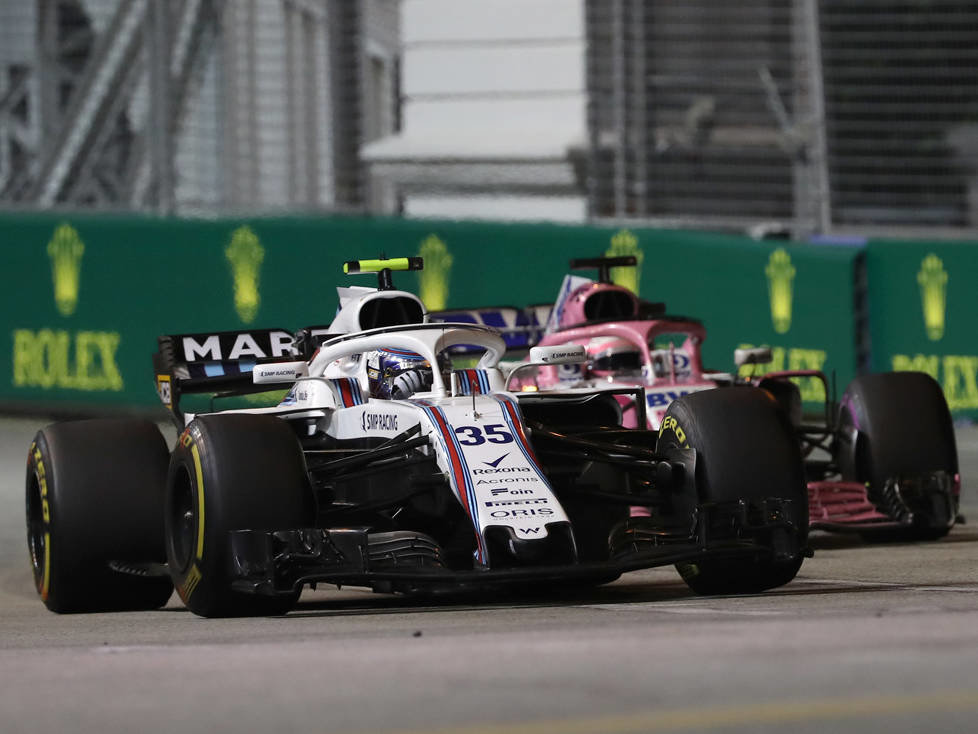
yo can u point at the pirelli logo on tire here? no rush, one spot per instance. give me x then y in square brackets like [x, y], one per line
[671, 424]
[189, 585]
[199, 476]
[189, 551]
[43, 564]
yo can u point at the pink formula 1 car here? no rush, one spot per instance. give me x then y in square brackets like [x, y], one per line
[881, 461]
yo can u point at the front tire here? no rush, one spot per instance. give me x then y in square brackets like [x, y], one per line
[230, 472]
[897, 425]
[95, 495]
[745, 450]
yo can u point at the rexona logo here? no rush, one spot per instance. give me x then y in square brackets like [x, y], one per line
[625, 243]
[65, 251]
[437, 272]
[245, 254]
[780, 274]
[932, 279]
[496, 468]
[50, 358]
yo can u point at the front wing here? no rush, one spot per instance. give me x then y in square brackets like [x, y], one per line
[846, 505]
[280, 562]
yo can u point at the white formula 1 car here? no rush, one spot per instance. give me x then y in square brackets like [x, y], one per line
[385, 467]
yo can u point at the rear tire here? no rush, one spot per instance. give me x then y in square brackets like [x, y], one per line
[745, 449]
[231, 472]
[903, 428]
[95, 495]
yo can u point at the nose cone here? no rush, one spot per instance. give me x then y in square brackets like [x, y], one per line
[506, 550]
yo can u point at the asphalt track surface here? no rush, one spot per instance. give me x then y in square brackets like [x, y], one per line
[869, 638]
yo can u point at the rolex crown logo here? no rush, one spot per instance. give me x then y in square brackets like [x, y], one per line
[780, 274]
[624, 243]
[65, 250]
[435, 276]
[932, 279]
[245, 254]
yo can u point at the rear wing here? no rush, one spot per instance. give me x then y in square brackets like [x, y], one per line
[520, 328]
[603, 265]
[220, 363]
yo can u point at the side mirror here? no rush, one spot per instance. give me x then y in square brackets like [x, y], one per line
[278, 372]
[563, 354]
[547, 356]
[755, 355]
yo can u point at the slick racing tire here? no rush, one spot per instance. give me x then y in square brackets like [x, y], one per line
[897, 424]
[230, 472]
[94, 497]
[745, 450]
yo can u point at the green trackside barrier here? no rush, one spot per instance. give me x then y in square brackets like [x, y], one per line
[86, 296]
[923, 308]
[797, 299]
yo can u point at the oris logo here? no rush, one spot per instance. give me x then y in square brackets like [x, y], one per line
[522, 513]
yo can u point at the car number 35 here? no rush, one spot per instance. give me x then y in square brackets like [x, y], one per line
[474, 436]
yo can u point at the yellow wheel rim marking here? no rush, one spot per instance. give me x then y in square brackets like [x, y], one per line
[47, 567]
[200, 501]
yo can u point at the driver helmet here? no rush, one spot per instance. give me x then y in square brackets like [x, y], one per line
[384, 366]
[396, 374]
[614, 358]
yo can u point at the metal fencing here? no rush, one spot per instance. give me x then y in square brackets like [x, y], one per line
[187, 106]
[819, 114]
[816, 116]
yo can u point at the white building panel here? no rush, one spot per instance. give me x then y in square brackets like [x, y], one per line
[527, 127]
[495, 100]
[513, 208]
[474, 70]
[465, 21]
